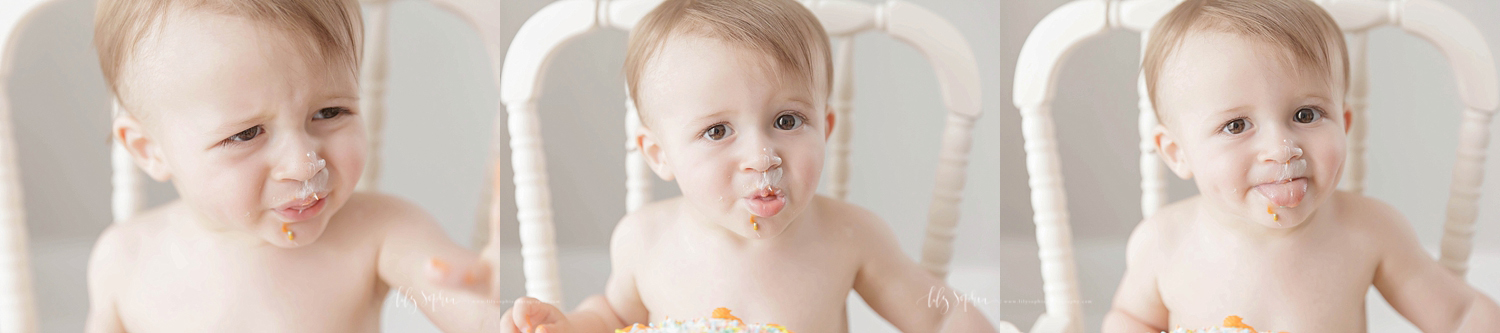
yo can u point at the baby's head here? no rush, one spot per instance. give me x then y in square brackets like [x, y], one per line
[733, 101]
[247, 106]
[1250, 95]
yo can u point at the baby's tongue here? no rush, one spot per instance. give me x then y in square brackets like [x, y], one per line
[1287, 194]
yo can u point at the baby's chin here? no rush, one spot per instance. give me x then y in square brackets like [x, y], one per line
[304, 232]
[747, 223]
[1264, 212]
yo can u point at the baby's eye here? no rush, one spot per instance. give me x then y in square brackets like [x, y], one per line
[246, 135]
[330, 113]
[1306, 115]
[716, 132]
[1236, 126]
[788, 122]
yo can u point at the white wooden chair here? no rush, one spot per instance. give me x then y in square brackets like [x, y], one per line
[17, 300]
[1068, 26]
[545, 32]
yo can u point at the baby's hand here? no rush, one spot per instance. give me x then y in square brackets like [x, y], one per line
[533, 316]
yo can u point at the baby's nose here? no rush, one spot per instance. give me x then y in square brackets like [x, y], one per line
[766, 159]
[301, 167]
[1284, 151]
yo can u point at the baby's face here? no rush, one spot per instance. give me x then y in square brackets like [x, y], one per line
[1260, 136]
[231, 112]
[741, 141]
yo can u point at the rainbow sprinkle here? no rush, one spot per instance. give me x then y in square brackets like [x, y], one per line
[721, 322]
[1232, 324]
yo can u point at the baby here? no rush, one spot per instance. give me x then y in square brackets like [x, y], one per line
[250, 108]
[733, 99]
[1250, 95]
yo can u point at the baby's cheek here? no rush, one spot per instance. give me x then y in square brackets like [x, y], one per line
[233, 201]
[703, 182]
[346, 158]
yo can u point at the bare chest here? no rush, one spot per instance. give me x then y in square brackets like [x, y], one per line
[803, 289]
[214, 292]
[1318, 287]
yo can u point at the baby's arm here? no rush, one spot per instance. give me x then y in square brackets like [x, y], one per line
[418, 259]
[595, 314]
[1430, 296]
[891, 283]
[1137, 306]
[620, 305]
[107, 264]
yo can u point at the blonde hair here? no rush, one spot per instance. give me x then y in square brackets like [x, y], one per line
[1305, 31]
[782, 29]
[333, 28]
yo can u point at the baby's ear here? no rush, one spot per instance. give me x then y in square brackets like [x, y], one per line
[646, 144]
[1171, 152]
[831, 120]
[128, 132]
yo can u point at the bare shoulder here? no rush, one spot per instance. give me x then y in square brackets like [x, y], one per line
[118, 248]
[379, 206]
[382, 212]
[1363, 210]
[861, 228]
[119, 244]
[835, 211]
[638, 229]
[114, 251]
[1156, 236]
[1375, 220]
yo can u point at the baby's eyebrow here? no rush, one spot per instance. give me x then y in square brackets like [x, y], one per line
[1317, 98]
[1234, 109]
[717, 114]
[334, 97]
[800, 102]
[238, 125]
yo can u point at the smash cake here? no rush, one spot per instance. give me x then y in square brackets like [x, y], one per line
[1232, 324]
[720, 322]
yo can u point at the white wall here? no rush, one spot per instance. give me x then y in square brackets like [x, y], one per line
[1414, 114]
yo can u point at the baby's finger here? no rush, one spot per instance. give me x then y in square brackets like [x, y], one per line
[508, 323]
[534, 313]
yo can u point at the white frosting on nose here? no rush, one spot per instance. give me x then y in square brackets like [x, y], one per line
[1295, 166]
[771, 176]
[318, 183]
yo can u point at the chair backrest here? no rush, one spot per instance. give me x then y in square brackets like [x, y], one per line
[17, 298]
[546, 31]
[1068, 26]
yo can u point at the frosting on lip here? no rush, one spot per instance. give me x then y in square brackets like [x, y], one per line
[1288, 186]
[766, 197]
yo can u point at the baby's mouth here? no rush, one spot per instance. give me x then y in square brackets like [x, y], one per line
[1284, 193]
[766, 201]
